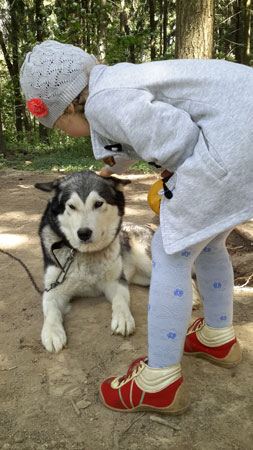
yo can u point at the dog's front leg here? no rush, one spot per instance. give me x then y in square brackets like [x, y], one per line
[122, 320]
[53, 335]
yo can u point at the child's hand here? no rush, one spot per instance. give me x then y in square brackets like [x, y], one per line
[166, 173]
[104, 172]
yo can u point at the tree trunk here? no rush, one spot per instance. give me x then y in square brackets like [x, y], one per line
[12, 63]
[238, 32]
[122, 17]
[39, 20]
[25, 119]
[246, 31]
[243, 31]
[2, 141]
[194, 29]
[86, 28]
[125, 30]
[40, 37]
[165, 20]
[152, 28]
[102, 31]
[15, 66]
[160, 27]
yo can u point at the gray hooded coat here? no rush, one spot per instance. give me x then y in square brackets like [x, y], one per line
[192, 117]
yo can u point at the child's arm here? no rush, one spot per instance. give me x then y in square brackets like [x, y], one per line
[119, 166]
[104, 172]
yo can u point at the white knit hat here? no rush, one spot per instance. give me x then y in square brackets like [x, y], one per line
[52, 75]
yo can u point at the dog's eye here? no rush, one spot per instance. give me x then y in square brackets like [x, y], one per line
[98, 204]
[72, 207]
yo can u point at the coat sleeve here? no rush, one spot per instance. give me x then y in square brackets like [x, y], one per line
[156, 130]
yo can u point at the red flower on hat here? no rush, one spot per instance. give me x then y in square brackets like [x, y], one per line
[37, 107]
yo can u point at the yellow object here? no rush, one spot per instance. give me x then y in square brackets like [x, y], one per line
[154, 199]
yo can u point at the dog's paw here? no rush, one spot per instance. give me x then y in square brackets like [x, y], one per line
[122, 323]
[53, 337]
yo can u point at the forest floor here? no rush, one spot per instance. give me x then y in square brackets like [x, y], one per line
[50, 401]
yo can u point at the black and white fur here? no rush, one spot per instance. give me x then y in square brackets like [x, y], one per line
[85, 214]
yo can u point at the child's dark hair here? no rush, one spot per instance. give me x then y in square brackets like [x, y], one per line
[80, 100]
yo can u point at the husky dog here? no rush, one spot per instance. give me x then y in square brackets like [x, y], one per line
[88, 251]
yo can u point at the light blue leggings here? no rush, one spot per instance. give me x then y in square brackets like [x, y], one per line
[170, 297]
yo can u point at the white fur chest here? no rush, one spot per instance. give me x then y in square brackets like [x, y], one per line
[88, 272]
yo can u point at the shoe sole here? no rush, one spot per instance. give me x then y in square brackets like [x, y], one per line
[233, 358]
[174, 409]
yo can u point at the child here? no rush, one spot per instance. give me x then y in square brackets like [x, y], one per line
[192, 118]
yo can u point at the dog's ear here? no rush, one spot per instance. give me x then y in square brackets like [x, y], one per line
[117, 183]
[47, 187]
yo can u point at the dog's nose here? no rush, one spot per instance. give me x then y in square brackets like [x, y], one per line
[84, 234]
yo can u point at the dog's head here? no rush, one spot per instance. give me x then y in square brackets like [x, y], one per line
[86, 208]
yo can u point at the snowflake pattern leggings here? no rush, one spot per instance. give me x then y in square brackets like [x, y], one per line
[170, 297]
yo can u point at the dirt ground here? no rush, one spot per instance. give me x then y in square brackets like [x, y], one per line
[50, 401]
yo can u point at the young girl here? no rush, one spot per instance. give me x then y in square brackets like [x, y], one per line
[192, 118]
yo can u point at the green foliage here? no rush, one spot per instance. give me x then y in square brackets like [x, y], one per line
[63, 155]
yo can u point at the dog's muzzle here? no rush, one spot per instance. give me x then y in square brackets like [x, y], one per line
[84, 234]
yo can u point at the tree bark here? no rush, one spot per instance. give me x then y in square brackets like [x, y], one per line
[102, 31]
[2, 140]
[123, 18]
[194, 29]
[243, 31]
[12, 63]
[152, 28]
[125, 30]
[246, 31]
[165, 20]
[40, 37]
[86, 26]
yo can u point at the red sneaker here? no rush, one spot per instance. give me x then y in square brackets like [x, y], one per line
[218, 345]
[145, 388]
